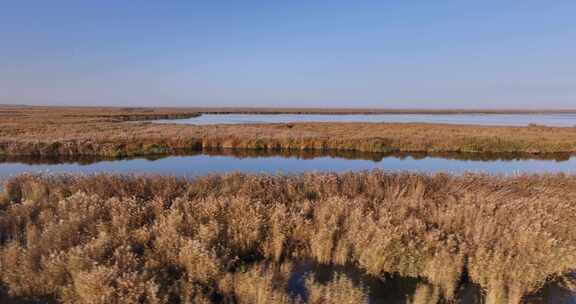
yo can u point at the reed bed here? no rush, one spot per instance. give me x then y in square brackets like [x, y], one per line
[106, 133]
[232, 238]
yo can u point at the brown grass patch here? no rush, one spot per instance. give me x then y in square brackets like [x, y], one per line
[53, 131]
[126, 239]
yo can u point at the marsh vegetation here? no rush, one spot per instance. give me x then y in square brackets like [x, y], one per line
[105, 132]
[240, 238]
[235, 238]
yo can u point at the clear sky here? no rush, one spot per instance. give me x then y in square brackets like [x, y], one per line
[385, 54]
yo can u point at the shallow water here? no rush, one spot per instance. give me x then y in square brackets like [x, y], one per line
[222, 161]
[400, 290]
[557, 120]
[389, 289]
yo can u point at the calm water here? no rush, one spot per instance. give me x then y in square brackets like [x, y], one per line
[559, 120]
[200, 163]
[388, 289]
[400, 290]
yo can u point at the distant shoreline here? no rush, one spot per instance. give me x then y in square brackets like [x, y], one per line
[285, 110]
[102, 132]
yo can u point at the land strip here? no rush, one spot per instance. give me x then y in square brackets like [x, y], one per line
[57, 131]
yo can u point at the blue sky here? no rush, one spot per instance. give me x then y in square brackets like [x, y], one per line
[385, 54]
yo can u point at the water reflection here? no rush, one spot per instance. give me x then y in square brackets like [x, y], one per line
[299, 154]
[397, 289]
[561, 291]
[389, 289]
[190, 163]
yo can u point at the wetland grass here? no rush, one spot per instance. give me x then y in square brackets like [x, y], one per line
[232, 238]
[105, 132]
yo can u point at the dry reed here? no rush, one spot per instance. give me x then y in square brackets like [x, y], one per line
[130, 239]
[105, 132]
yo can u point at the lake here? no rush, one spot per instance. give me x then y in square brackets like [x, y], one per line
[556, 120]
[252, 161]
